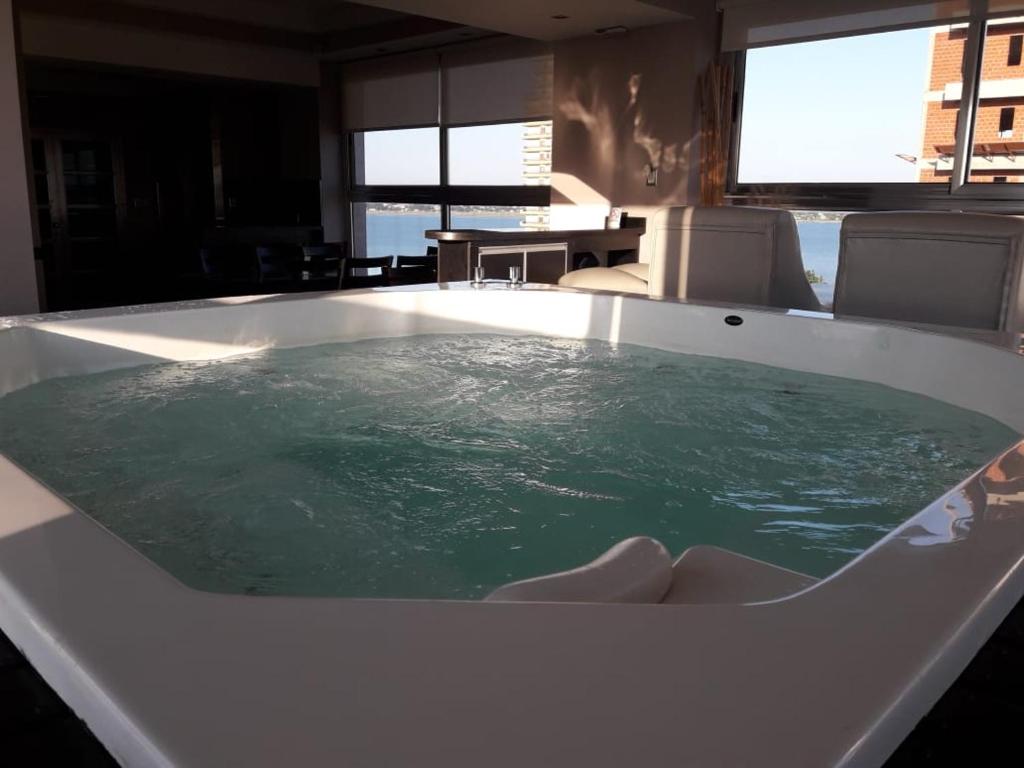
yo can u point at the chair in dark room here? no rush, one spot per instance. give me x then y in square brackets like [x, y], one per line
[366, 273]
[322, 266]
[278, 266]
[411, 270]
[229, 268]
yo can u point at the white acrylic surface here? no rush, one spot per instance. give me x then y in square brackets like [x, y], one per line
[835, 675]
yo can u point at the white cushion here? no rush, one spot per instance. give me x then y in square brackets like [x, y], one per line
[603, 279]
[636, 269]
[637, 570]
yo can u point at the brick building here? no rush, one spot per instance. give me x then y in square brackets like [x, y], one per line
[999, 130]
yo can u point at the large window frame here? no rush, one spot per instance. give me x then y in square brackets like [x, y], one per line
[443, 194]
[958, 194]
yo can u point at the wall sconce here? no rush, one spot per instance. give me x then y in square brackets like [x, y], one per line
[651, 175]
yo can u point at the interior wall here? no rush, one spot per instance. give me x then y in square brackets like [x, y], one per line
[332, 156]
[18, 292]
[622, 102]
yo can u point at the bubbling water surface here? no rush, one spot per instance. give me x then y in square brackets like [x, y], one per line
[444, 466]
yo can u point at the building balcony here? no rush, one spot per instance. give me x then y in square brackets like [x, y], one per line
[990, 89]
[987, 156]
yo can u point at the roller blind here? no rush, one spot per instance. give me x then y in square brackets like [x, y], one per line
[392, 92]
[754, 23]
[496, 82]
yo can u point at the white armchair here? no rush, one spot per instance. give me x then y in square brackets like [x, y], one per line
[930, 267]
[729, 254]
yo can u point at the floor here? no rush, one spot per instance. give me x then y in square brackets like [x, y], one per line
[36, 727]
[983, 710]
[980, 716]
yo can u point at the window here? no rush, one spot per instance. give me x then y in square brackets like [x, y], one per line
[393, 229]
[499, 217]
[845, 110]
[505, 154]
[819, 247]
[994, 153]
[405, 157]
[454, 138]
[1005, 122]
[873, 120]
[1015, 48]
[499, 177]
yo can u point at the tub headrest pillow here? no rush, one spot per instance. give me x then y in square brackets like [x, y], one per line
[637, 270]
[636, 570]
[603, 279]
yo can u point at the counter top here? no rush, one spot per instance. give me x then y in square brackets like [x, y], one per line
[524, 235]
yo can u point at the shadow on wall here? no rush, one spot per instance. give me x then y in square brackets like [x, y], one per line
[625, 105]
[624, 144]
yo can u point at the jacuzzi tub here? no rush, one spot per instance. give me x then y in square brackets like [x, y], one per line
[835, 675]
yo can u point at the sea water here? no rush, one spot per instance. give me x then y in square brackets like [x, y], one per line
[444, 466]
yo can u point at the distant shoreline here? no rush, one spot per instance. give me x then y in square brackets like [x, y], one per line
[822, 217]
[480, 214]
[825, 217]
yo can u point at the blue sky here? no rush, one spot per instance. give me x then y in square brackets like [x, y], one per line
[489, 154]
[835, 110]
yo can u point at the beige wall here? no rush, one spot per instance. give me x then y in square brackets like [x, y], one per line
[18, 294]
[622, 102]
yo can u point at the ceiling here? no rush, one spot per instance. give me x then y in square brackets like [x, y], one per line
[345, 30]
[310, 16]
[330, 28]
[539, 19]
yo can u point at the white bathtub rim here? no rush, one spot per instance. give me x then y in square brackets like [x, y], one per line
[129, 741]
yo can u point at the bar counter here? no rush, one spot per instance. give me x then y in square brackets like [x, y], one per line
[543, 256]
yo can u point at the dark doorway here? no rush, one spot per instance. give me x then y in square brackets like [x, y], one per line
[134, 172]
[80, 200]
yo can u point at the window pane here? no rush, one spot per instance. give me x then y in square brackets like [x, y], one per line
[89, 189]
[498, 217]
[507, 154]
[86, 156]
[999, 126]
[409, 156]
[393, 229]
[847, 110]
[1016, 47]
[819, 246]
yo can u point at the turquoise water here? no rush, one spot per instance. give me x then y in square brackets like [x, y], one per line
[443, 466]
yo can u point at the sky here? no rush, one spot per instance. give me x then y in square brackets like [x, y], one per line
[835, 110]
[490, 154]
